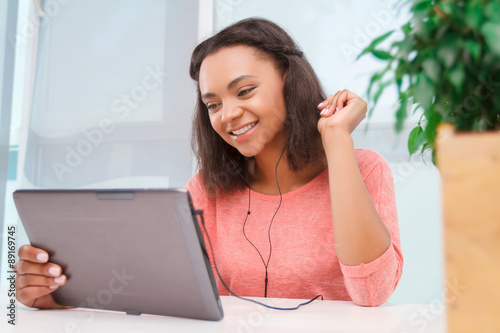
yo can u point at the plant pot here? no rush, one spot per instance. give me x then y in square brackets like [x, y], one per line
[469, 164]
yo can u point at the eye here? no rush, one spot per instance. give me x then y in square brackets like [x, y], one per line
[211, 107]
[246, 91]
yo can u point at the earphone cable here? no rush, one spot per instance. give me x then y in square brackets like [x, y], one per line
[200, 213]
[266, 265]
[248, 210]
[279, 205]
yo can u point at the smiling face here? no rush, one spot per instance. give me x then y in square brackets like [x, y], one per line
[243, 92]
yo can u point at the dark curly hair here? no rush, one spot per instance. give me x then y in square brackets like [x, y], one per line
[221, 165]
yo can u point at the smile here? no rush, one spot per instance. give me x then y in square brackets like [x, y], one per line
[244, 129]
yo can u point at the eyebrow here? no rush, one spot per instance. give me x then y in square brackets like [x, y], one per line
[230, 85]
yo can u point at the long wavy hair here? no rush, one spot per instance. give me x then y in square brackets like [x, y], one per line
[222, 167]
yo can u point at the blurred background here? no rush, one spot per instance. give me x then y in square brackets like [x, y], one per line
[96, 94]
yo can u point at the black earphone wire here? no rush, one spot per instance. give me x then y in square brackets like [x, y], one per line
[266, 265]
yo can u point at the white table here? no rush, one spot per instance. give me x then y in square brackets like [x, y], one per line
[240, 316]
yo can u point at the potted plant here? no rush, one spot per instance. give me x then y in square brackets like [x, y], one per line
[447, 67]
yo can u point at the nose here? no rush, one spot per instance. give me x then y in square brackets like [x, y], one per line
[230, 112]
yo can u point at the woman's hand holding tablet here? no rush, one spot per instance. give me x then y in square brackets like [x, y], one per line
[37, 278]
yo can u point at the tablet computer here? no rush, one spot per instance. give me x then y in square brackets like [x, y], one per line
[135, 250]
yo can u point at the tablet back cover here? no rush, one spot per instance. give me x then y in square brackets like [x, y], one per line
[137, 251]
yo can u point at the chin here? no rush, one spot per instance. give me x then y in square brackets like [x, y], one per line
[248, 152]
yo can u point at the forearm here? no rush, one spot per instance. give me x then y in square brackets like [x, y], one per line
[359, 233]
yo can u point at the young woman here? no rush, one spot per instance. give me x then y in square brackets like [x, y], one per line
[291, 208]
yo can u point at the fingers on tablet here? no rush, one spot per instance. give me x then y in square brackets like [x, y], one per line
[29, 295]
[24, 281]
[37, 278]
[30, 253]
[27, 267]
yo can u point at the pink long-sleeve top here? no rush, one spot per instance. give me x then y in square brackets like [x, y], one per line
[303, 263]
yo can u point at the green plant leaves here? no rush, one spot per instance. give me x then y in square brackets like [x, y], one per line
[400, 71]
[447, 50]
[457, 77]
[492, 11]
[424, 91]
[374, 43]
[474, 16]
[491, 32]
[474, 48]
[378, 93]
[446, 7]
[416, 139]
[405, 47]
[383, 55]
[433, 120]
[447, 66]
[432, 69]
[421, 5]
[402, 112]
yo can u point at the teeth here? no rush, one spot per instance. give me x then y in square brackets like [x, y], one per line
[244, 129]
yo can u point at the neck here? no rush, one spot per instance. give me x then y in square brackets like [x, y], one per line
[265, 173]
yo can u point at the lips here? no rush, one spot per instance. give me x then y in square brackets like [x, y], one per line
[243, 130]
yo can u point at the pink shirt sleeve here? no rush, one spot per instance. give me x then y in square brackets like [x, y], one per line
[371, 284]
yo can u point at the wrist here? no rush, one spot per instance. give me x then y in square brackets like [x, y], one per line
[336, 136]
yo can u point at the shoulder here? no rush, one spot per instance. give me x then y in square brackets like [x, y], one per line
[195, 184]
[369, 160]
[202, 199]
[197, 191]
